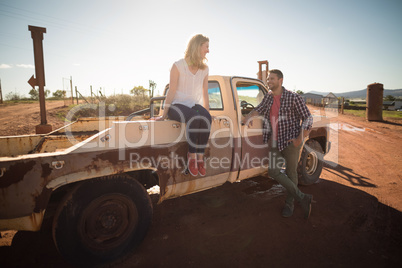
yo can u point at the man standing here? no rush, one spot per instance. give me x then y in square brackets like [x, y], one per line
[287, 121]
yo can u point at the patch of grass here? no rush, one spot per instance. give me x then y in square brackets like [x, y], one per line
[358, 104]
[61, 113]
[362, 113]
[392, 114]
[13, 102]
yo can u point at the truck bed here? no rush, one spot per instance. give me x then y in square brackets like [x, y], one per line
[58, 140]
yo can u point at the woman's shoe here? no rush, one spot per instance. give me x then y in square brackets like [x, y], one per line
[192, 165]
[201, 167]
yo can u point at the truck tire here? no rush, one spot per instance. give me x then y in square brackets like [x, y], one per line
[311, 163]
[101, 220]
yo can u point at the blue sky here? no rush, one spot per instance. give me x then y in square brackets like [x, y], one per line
[335, 46]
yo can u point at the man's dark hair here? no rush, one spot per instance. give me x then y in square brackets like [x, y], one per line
[277, 72]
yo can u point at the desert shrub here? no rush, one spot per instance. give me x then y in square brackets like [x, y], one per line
[59, 94]
[13, 96]
[117, 105]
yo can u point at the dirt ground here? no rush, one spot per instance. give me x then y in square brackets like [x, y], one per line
[21, 119]
[356, 220]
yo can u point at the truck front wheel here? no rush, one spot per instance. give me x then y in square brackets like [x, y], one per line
[310, 163]
[101, 220]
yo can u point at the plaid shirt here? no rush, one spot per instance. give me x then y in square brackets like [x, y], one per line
[293, 115]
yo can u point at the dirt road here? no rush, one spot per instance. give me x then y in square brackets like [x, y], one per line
[355, 221]
[21, 119]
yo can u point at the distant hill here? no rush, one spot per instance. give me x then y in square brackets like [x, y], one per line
[361, 94]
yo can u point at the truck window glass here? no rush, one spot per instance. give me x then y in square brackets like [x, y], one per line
[250, 95]
[214, 93]
[215, 96]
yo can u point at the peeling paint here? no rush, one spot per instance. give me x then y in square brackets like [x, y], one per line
[16, 173]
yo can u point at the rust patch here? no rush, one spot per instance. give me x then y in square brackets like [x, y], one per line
[42, 200]
[16, 173]
[38, 146]
[46, 170]
[112, 157]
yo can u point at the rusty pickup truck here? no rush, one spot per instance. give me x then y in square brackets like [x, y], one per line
[88, 180]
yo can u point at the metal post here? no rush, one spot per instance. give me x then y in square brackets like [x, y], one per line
[261, 74]
[76, 94]
[71, 86]
[37, 37]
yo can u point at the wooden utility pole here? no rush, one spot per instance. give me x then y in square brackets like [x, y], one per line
[1, 94]
[343, 101]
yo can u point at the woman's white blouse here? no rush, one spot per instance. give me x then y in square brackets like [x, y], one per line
[189, 89]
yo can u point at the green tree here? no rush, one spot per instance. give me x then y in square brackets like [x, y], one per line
[35, 93]
[389, 98]
[139, 91]
[299, 92]
[59, 94]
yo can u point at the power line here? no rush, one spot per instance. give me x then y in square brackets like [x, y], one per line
[11, 35]
[55, 22]
[12, 46]
[39, 21]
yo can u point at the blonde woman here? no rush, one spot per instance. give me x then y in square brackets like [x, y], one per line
[187, 100]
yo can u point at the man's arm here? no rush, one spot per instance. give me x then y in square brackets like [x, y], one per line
[260, 109]
[303, 134]
[248, 119]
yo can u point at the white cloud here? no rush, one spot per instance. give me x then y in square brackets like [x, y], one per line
[5, 66]
[26, 66]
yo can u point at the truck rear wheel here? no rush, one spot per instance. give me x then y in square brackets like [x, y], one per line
[101, 220]
[310, 163]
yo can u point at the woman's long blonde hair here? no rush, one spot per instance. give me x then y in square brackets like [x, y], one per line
[192, 54]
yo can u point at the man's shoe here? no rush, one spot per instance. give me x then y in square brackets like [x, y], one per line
[306, 205]
[287, 211]
[192, 166]
[201, 167]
